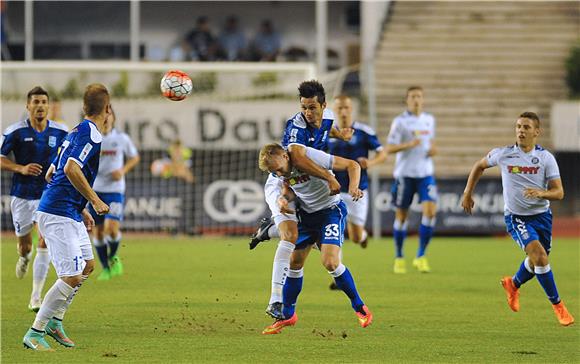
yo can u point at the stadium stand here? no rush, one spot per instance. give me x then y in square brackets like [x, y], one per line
[480, 65]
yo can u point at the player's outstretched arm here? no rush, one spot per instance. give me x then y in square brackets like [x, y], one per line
[395, 148]
[353, 169]
[301, 161]
[554, 192]
[379, 158]
[344, 134]
[31, 169]
[476, 171]
[76, 177]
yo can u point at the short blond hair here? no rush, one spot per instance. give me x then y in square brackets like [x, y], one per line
[266, 153]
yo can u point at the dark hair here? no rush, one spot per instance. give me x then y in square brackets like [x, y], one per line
[413, 88]
[95, 99]
[309, 89]
[37, 90]
[532, 116]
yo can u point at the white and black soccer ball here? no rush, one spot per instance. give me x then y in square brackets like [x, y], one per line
[176, 85]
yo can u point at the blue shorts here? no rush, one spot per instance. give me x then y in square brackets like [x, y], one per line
[404, 189]
[116, 202]
[525, 229]
[325, 226]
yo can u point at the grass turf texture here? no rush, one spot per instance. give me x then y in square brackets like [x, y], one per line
[203, 300]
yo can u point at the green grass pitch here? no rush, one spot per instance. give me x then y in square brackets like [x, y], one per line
[202, 300]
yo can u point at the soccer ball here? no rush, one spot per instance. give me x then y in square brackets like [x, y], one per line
[176, 85]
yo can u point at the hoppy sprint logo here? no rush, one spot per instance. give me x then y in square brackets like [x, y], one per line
[298, 179]
[523, 170]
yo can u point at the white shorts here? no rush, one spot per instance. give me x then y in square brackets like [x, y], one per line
[68, 243]
[357, 210]
[272, 190]
[23, 214]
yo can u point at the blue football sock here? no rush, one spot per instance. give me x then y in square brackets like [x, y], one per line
[102, 253]
[546, 279]
[425, 234]
[345, 282]
[113, 244]
[524, 274]
[399, 235]
[291, 290]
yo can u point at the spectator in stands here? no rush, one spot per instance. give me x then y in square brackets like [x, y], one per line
[266, 44]
[201, 44]
[232, 41]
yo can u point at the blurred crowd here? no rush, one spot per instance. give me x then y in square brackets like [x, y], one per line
[201, 44]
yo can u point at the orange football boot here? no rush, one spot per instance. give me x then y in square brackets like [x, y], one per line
[512, 293]
[365, 319]
[278, 325]
[562, 314]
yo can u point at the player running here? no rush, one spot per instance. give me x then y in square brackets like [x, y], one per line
[364, 139]
[64, 221]
[34, 143]
[322, 221]
[110, 187]
[310, 128]
[412, 138]
[530, 179]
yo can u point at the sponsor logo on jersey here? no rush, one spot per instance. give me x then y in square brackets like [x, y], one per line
[28, 139]
[523, 170]
[421, 132]
[108, 153]
[298, 179]
[85, 152]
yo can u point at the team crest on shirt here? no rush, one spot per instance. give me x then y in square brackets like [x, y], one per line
[535, 160]
[52, 141]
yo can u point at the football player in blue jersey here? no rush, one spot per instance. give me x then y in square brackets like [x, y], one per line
[357, 148]
[34, 143]
[63, 220]
[309, 128]
[530, 179]
[412, 139]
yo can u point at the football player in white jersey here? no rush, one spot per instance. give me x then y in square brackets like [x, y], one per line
[118, 157]
[412, 138]
[322, 220]
[530, 179]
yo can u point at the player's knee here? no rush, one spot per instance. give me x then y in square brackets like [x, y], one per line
[290, 235]
[331, 263]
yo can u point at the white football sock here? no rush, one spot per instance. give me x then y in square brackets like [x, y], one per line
[39, 272]
[59, 314]
[54, 300]
[280, 269]
[273, 232]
